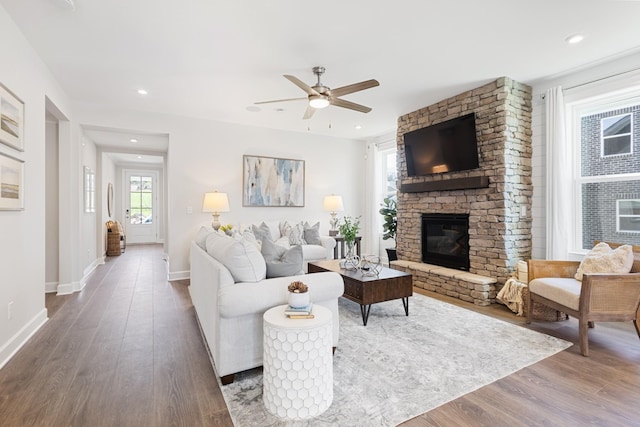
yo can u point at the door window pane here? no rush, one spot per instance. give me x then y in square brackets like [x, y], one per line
[141, 199]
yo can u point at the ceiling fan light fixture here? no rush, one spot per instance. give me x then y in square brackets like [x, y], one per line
[318, 101]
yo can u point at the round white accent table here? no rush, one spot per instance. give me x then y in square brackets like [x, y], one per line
[297, 363]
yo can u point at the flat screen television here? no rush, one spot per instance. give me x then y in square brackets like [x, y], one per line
[444, 147]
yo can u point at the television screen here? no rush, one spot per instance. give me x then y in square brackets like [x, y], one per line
[444, 147]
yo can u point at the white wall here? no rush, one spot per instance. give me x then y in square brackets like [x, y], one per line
[206, 155]
[107, 175]
[22, 254]
[52, 207]
[584, 76]
[89, 255]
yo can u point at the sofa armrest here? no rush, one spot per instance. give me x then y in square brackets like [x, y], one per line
[328, 243]
[538, 268]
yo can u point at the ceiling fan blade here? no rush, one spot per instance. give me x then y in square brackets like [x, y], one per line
[302, 85]
[280, 100]
[350, 105]
[344, 90]
[309, 112]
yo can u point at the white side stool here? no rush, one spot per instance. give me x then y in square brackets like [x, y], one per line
[297, 364]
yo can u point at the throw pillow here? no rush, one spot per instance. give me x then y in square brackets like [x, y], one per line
[242, 259]
[295, 233]
[262, 232]
[603, 259]
[282, 262]
[312, 233]
[201, 237]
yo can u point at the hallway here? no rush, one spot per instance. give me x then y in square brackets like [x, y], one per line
[126, 351]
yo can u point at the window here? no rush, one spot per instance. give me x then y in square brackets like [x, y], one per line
[628, 216]
[606, 144]
[390, 173]
[616, 135]
[141, 194]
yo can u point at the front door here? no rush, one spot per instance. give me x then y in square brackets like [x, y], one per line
[141, 217]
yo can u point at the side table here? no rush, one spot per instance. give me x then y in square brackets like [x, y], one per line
[297, 363]
[339, 250]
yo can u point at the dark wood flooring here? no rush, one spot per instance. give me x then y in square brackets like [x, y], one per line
[126, 351]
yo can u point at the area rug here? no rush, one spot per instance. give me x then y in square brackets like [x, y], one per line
[398, 367]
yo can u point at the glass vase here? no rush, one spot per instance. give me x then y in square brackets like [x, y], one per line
[351, 260]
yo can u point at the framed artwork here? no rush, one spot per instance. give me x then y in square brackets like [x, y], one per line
[11, 119]
[89, 190]
[273, 182]
[11, 183]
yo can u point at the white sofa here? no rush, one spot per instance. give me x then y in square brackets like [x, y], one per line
[230, 311]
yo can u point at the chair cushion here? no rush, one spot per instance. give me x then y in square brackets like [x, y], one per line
[201, 237]
[603, 259]
[565, 291]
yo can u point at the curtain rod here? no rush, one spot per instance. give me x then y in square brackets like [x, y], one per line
[596, 80]
[602, 78]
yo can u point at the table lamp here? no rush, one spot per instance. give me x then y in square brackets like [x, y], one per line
[215, 202]
[333, 204]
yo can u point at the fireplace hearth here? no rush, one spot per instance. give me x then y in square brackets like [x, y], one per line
[445, 240]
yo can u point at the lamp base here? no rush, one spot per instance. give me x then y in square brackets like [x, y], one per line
[215, 224]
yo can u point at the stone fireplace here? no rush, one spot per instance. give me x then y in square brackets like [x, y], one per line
[496, 196]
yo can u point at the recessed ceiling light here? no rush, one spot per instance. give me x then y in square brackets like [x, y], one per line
[133, 140]
[138, 157]
[358, 127]
[279, 110]
[575, 38]
[142, 92]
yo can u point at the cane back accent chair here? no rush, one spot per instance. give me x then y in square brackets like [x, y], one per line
[599, 297]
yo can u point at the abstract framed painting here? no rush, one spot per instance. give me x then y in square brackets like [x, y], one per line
[272, 182]
[11, 119]
[11, 183]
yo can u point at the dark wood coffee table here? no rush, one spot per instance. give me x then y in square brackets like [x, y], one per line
[366, 290]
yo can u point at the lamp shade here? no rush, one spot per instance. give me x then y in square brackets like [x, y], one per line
[215, 202]
[333, 203]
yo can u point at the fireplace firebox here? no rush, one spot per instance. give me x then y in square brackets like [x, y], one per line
[445, 240]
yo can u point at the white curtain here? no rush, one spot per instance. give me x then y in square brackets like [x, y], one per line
[559, 177]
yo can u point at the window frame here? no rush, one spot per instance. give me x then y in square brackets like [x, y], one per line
[618, 216]
[575, 108]
[603, 138]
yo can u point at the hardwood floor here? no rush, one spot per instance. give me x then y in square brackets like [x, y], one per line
[126, 351]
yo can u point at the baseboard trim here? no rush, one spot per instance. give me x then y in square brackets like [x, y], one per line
[17, 341]
[65, 289]
[50, 287]
[179, 275]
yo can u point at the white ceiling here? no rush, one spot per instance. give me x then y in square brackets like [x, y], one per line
[212, 59]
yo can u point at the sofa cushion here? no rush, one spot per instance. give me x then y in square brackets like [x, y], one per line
[603, 259]
[240, 257]
[312, 233]
[282, 262]
[314, 252]
[565, 291]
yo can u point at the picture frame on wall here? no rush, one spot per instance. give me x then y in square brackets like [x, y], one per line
[11, 183]
[11, 119]
[272, 182]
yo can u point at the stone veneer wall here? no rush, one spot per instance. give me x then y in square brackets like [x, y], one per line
[499, 235]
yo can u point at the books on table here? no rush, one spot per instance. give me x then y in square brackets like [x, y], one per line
[299, 312]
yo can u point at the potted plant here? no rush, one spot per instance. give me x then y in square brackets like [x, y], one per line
[389, 214]
[348, 229]
[298, 294]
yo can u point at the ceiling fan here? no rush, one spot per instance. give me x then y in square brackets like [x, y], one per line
[321, 96]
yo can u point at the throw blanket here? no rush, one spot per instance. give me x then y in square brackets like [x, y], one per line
[511, 296]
